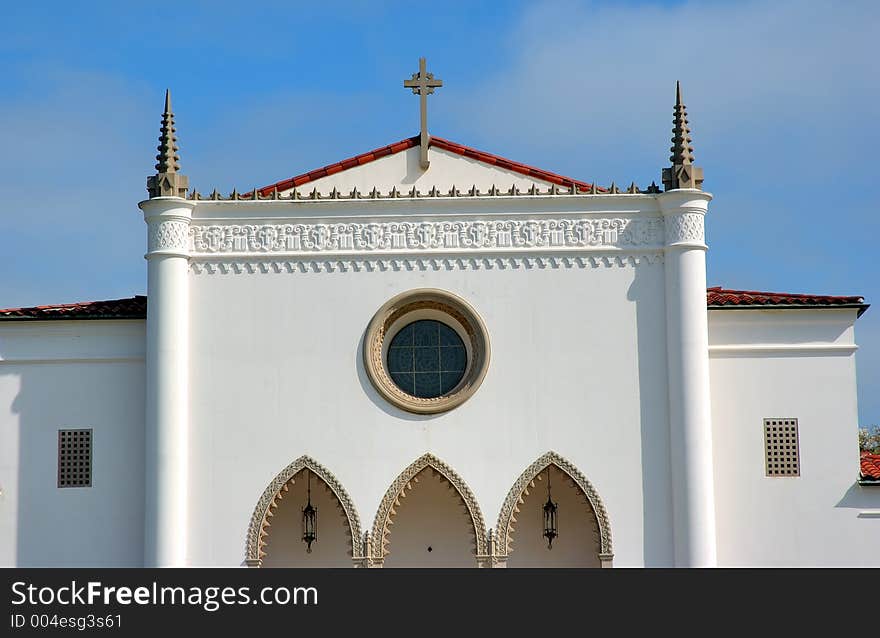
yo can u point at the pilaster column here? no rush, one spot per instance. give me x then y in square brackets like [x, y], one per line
[366, 551]
[693, 496]
[167, 381]
[492, 558]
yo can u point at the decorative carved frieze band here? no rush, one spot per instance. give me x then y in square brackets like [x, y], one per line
[258, 528]
[505, 524]
[685, 228]
[168, 234]
[403, 482]
[426, 236]
[211, 266]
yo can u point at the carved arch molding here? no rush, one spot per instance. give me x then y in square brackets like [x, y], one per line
[402, 482]
[257, 530]
[504, 527]
[374, 550]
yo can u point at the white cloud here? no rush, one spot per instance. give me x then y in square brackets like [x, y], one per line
[599, 78]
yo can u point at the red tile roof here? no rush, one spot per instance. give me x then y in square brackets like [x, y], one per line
[129, 308]
[870, 467]
[718, 297]
[439, 142]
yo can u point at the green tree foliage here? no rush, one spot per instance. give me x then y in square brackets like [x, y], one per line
[869, 439]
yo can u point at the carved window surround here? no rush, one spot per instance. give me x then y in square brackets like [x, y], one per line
[442, 306]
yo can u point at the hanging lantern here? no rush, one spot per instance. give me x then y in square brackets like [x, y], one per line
[551, 529]
[310, 518]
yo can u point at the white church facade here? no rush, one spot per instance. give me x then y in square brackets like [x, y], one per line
[428, 355]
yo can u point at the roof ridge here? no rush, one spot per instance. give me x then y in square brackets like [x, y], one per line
[439, 142]
[502, 162]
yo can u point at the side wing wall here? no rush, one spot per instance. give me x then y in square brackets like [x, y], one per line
[71, 375]
[789, 364]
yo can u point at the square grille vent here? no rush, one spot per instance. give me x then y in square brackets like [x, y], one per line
[75, 458]
[781, 456]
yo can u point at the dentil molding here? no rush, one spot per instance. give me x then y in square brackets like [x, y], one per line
[210, 265]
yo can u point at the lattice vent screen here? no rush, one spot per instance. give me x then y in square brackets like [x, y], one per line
[74, 458]
[781, 456]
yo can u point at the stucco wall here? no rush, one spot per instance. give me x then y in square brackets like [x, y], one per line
[578, 366]
[798, 364]
[71, 374]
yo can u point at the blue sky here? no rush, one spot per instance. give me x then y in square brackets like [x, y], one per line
[782, 97]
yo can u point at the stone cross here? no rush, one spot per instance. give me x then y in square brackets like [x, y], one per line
[423, 84]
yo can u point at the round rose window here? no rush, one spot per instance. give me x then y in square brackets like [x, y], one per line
[426, 351]
[426, 359]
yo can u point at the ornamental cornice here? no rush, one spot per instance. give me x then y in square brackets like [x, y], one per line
[239, 264]
[441, 236]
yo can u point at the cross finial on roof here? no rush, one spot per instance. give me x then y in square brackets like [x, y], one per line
[423, 84]
[682, 173]
[167, 182]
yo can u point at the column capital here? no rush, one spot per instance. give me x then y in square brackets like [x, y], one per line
[684, 211]
[168, 220]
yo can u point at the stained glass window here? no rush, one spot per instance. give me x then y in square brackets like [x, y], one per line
[427, 359]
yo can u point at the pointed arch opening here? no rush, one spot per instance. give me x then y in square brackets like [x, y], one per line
[274, 537]
[584, 530]
[428, 518]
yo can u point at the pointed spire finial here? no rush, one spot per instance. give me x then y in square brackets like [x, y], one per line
[682, 173]
[167, 182]
[168, 159]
